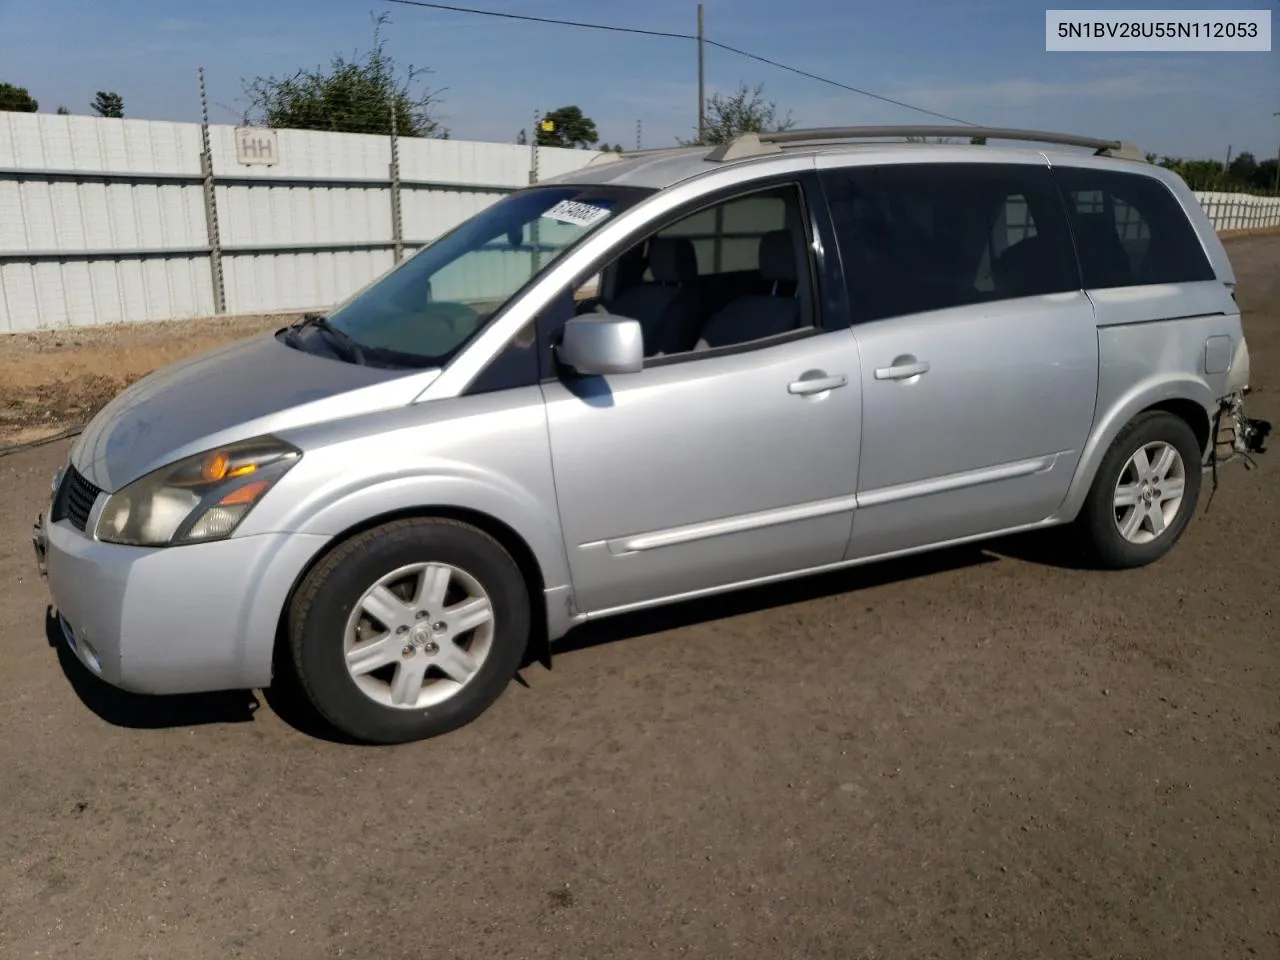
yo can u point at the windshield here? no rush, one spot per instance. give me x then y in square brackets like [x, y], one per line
[426, 309]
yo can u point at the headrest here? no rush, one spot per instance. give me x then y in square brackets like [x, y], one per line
[1021, 268]
[1097, 226]
[778, 257]
[673, 260]
[1102, 255]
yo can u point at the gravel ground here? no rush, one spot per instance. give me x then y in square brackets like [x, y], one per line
[982, 753]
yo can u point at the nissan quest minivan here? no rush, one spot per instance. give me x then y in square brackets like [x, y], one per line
[665, 375]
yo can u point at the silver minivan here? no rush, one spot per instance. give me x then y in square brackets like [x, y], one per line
[665, 375]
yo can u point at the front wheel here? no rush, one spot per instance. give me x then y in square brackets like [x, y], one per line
[409, 630]
[1145, 492]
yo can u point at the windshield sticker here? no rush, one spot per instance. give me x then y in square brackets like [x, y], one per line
[579, 214]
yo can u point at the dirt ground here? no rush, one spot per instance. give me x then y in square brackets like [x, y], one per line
[985, 753]
[58, 378]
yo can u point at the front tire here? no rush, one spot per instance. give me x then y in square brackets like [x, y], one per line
[1145, 492]
[409, 630]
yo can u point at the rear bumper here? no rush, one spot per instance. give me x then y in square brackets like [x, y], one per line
[175, 620]
[1238, 435]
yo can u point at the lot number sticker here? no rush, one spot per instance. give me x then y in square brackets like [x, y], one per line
[579, 214]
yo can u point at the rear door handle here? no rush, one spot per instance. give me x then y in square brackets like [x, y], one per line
[804, 388]
[902, 371]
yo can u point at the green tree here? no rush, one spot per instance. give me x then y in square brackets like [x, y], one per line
[17, 99]
[62, 112]
[569, 129]
[351, 96]
[1265, 176]
[1245, 173]
[1243, 168]
[108, 104]
[743, 111]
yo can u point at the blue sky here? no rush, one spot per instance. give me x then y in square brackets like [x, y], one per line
[983, 61]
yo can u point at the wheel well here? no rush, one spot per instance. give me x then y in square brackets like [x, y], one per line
[1193, 414]
[512, 542]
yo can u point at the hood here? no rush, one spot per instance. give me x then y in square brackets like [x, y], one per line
[244, 389]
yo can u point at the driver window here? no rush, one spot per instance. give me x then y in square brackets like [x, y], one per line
[586, 295]
[733, 273]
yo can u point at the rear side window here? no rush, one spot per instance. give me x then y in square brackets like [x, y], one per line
[1130, 230]
[918, 237]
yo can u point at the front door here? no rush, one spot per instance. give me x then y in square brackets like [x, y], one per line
[978, 349]
[732, 461]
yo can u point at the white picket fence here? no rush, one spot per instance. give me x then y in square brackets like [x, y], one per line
[1240, 211]
[103, 221]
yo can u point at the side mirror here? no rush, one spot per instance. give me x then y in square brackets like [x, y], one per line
[601, 343]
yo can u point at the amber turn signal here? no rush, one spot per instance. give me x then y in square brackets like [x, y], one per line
[215, 466]
[246, 494]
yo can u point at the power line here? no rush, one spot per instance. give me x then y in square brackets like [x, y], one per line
[563, 23]
[837, 83]
[454, 8]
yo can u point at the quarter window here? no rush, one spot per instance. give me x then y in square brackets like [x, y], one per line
[1130, 230]
[920, 237]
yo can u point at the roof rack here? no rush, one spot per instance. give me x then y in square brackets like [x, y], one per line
[755, 144]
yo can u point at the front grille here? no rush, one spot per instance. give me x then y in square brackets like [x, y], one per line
[74, 500]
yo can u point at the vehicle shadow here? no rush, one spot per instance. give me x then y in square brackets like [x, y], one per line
[753, 600]
[141, 711]
[1051, 547]
[287, 700]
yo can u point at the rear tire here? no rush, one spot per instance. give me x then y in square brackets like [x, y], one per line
[1144, 493]
[409, 630]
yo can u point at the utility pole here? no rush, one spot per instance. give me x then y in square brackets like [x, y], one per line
[637, 134]
[397, 221]
[1275, 182]
[210, 203]
[702, 81]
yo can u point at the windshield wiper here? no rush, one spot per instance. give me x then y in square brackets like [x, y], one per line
[349, 348]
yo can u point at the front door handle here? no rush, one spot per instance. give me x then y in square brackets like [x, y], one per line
[805, 387]
[903, 368]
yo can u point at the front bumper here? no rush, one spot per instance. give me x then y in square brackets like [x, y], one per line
[182, 619]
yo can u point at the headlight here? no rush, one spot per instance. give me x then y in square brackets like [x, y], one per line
[197, 499]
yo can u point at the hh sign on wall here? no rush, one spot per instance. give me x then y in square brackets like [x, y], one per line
[256, 146]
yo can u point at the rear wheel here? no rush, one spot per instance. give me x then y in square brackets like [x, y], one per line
[409, 630]
[1145, 492]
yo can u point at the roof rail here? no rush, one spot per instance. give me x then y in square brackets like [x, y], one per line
[611, 156]
[755, 144]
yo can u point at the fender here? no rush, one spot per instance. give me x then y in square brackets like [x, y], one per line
[1143, 395]
[337, 507]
